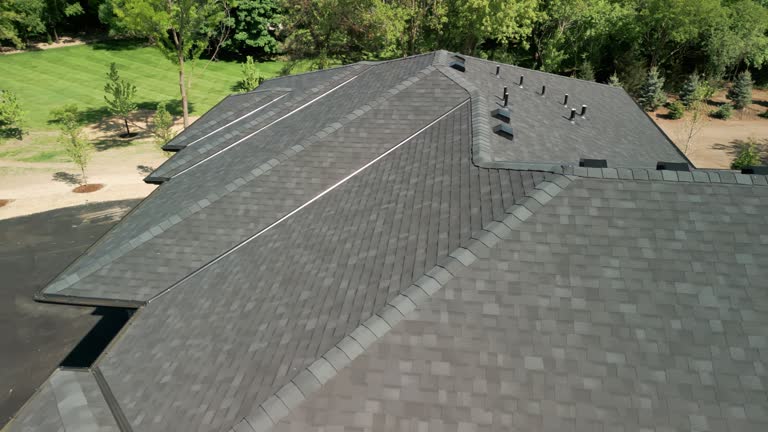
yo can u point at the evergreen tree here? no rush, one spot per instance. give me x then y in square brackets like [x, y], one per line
[614, 81]
[740, 92]
[162, 125]
[251, 77]
[586, 72]
[652, 93]
[119, 97]
[690, 91]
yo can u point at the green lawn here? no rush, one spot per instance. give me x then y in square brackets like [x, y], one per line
[44, 80]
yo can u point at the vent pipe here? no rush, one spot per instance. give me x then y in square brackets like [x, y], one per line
[565, 100]
[521, 81]
[573, 114]
[583, 110]
[506, 99]
[498, 70]
[543, 90]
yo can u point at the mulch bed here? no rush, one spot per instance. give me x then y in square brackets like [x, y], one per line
[4, 202]
[87, 188]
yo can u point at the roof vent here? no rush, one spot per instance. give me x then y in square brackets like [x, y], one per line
[543, 90]
[459, 58]
[502, 114]
[521, 81]
[504, 130]
[573, 115]
[459, 66]
[498, 70]
[583, 110]
[565, 100]
[593, 163]
[673, 166]
[761, 170]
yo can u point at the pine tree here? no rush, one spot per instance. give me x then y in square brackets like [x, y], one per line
[122, 93]
[652, 93]
[586, 72]
[690, 92]
[614, 81]
[740, 92]
[162, 125]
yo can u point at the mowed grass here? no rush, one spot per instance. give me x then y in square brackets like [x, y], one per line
[44, 80]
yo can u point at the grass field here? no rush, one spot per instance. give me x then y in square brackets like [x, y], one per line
[44, 80]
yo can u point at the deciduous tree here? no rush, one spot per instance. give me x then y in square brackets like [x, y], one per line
[119, 96]
[181, 29]
[11, 115]
[20, 18]
[72, 138]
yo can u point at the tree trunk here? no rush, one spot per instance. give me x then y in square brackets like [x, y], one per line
[55, 35]
[127, 130]
[183, 87]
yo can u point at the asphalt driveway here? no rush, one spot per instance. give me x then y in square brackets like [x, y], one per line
[36, 337]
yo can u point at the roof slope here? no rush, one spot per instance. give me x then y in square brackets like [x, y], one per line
[619, 305]
[284, 246]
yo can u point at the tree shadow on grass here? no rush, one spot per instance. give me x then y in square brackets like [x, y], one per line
[173, 106]
[66, 178]
[109, 144]
[119, 45]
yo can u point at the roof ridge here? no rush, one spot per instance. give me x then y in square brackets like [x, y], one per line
[312, 378]
[163, 225]
[695, 176]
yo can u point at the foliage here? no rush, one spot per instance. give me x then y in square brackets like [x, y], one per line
[692, 125]
[690, 91]
[652, 93]
[181, 29]
[19, 19]
[676, 110]
[741, 91]
[741, 37]
[501, 21]
[162, 125]
[11, 115]
[254, 26]
[586, 72]
[723, 113]
[614, 81]
[764, 114]
[119, 95]
[251, 76]
[56, 11]
[749, 155]
[76, 146]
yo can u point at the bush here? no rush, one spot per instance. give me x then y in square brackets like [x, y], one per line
[11, 115]
[748, 156]
[162, 125]
[723, 113]
[614, 81]
[676, 110]
[251, 77]
[764, 114]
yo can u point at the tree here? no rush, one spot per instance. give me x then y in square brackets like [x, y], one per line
[652, 93]
[740, 92]
[740, 38]
[72, 137]
[254, 24]
[119, 96]
[586, 72]
[57, 11]
[251, 77]
[748, 156]
[501, 21]
[20, 18]
[614, 81]
[162, 125]
[692, 125]
[690, 91]
[11, 115]
[181, 29]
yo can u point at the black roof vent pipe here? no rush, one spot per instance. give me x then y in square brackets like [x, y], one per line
[498, 70]
[583, 110]
[573, 114]
[543, 90]
[521, 81]
[565, 100]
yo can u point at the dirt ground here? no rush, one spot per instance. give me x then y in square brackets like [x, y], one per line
[119, 164]
[38, 46]
[719, 141]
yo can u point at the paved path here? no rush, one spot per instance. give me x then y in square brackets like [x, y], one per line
[35, 337]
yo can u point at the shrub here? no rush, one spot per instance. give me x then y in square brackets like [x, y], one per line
[748, 156]
[586, 72]
[11, 115]
[764, 114]
[652, 94]
[162, 125]
[740, 92]
[251, 77]
[676, 110]
[614, 81]
[723, 113]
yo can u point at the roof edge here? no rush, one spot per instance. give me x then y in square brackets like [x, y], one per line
[43, 297]
[309, 380]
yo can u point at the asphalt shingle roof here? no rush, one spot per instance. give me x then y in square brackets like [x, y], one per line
[546, 296]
